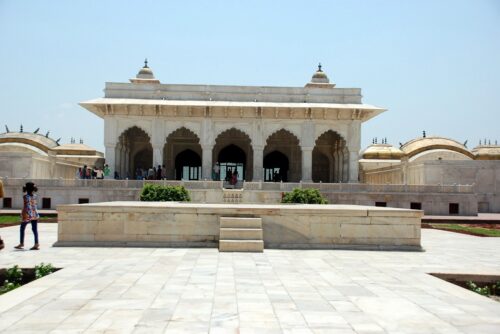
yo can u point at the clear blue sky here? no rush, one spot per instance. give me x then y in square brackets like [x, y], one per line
[434, 64]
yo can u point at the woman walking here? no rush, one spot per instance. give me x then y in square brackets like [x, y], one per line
[29, 214]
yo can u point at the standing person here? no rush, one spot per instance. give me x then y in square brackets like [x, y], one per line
[99, 174]
[216, 171]
[2, 244]
[106, 170]
[235, 177]
[158, 172]
[29, 214]
[78, 174]
[163, 173]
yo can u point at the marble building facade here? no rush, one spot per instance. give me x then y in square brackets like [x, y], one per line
[309, 133]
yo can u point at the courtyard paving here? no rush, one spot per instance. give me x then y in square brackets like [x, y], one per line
[148, 290]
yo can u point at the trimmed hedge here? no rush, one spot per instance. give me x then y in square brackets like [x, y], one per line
[159, 193]
[304, 196]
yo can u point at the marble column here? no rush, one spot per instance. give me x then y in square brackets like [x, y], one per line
[157, 155]
[353, 166]
[206, 162]
[345, 165]
[110, 154]
[307, 164]
[122, 162]
[258, 163]
[127, 164]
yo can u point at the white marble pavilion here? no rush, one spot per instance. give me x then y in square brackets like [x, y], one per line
[309, 133]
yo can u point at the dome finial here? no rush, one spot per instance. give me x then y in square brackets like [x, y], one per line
[145, 63]
[319, 67]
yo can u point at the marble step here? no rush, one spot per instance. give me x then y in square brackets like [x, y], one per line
[239, 222]
[240, 234]
[241, 246]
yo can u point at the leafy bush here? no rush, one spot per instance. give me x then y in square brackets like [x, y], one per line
[43, 270]
[159, 193]
[8, 286]
[14, 274]
[13, 279]
[305, 196]
[485, 290]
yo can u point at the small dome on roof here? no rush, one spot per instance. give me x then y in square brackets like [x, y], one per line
[486, 152]
[145, 75]
[319, 76]
[320, 79]
[145, 72]
[382, 151]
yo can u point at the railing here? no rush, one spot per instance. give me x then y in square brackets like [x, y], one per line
[109, 183]
[360, 187]
[264, 186]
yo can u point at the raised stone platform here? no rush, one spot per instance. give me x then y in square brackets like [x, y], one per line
[172, 224]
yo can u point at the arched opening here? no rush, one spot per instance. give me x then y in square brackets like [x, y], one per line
[286, 157]
[232, 159]
[329, 158]
[188, 165]
[133, 154]
[233, 151]
[276, 167]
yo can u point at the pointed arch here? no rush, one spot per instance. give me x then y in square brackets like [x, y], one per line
[328, 158]
[286, 143]
[134, 151]
[239, 143]
[179, 141]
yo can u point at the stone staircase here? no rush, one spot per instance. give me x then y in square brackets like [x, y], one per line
[240, 234]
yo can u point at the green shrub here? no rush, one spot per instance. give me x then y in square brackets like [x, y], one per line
[43, 270]
[14, 274]
[485, 290]
[159, 193]
[304, 196]
[13, 279]
[8, 286]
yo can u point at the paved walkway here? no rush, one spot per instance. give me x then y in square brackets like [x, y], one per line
[147, 290]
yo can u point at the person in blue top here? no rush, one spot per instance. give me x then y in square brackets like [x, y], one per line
[29, 214]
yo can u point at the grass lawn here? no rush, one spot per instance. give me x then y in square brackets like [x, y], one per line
[17, 219]
[471, 229]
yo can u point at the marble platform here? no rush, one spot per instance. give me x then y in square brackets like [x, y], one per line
[171, 224]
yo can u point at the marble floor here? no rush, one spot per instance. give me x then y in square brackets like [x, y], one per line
[148, 290]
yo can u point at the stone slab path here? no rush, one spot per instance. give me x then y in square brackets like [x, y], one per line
[147, 290]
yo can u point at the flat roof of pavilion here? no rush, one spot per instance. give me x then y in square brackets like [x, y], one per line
[93, 104]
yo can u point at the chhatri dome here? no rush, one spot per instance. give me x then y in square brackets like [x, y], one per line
[382, 151]
[320, 79]
[145, 75]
